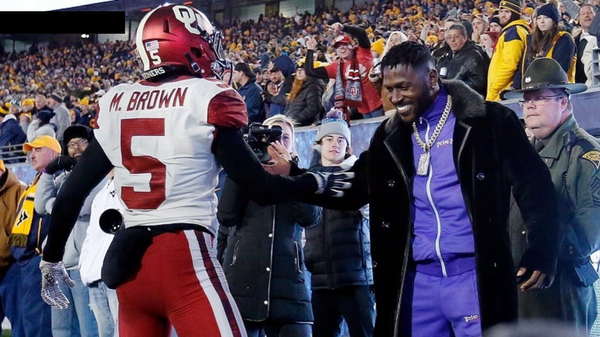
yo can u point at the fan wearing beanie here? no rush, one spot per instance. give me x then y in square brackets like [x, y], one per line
[334, 123]
[548, 40]
[337, 250]
[495, 24]
[503, 72]
[41, 125]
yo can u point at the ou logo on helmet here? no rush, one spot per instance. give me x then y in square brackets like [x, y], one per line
[188, 16]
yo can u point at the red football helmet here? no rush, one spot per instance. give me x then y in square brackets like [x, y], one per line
[172, 36]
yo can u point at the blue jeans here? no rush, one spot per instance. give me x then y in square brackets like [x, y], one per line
[78, 319]
[9, 292]
[374, 113]
[20, 290]
[105, 306]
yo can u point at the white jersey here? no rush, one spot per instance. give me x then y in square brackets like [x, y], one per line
[159, 137]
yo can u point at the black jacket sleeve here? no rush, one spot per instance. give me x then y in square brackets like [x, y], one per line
[91, 168]
[309, 66]
[360, 34]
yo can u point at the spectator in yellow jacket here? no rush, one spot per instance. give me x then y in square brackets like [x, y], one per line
[509, 49]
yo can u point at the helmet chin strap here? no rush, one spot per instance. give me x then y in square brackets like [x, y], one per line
[194, 65]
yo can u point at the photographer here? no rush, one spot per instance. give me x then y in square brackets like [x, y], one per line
[264, 262]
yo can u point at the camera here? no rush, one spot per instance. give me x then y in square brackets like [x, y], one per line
[259, 137]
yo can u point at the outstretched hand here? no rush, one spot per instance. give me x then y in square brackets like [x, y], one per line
[333, 183]
[52, 274]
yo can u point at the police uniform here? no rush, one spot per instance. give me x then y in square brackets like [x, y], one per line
[573, 158]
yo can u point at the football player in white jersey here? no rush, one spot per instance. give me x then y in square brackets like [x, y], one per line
[167, 138]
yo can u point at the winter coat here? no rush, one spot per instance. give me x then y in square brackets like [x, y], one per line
[563, 50]
[61, 119]
[11, 132]
[48, 187]
[23, 250]
[338, 249]
[510, 48]
[36, 129]
[307, 108]
[492, 157]
[10, 192]
[264, 263]
[573, 163]
[469, 64]
[251, 92]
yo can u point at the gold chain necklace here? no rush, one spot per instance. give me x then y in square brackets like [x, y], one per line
[423, 165]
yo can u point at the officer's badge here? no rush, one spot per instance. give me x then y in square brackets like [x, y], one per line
[593, 156]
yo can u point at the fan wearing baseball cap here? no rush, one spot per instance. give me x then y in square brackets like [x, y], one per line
[352, 85]
[20, 288]
[76, 140]
[573, 158]
[250, 91]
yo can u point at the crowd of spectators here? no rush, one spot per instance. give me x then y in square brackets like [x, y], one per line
[83, 72]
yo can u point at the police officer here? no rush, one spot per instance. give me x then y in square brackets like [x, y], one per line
[573, 157]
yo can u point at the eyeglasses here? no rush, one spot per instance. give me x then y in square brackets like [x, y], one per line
[80, 143]
[538, 101]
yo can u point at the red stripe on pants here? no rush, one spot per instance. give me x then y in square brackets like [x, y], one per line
[181, 283]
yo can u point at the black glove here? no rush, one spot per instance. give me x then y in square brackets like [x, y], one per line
[267, 97]
[61, 163]
[333, 183]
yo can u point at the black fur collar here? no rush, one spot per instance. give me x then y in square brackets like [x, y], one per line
[466, 102]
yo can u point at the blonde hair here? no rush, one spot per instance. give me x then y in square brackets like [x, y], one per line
[388, 45]
[283, 119]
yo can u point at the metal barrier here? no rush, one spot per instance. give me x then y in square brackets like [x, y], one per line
[13, 155]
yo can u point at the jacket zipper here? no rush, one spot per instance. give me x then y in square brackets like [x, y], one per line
[438, 222]
[297, 257]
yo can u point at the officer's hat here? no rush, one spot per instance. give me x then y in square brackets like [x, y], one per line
[545, 73]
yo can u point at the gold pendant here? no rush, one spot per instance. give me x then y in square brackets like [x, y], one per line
[423, 166]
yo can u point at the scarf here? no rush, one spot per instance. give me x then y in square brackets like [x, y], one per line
[352, 94]
[22, 225]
